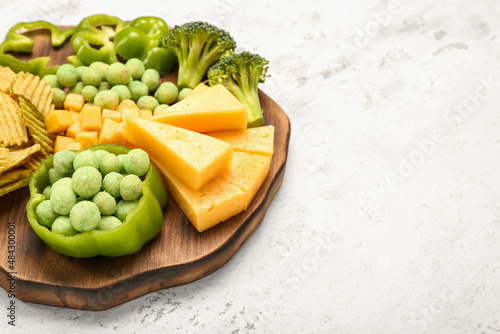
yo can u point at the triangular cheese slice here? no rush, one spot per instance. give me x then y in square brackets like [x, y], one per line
[209, 110]
[192, 157]
[259, 140]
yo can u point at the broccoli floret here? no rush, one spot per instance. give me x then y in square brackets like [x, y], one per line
[241, 73]
[197, 45]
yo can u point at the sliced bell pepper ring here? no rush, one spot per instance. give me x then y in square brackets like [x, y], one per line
[139, 39]
[141, 225]
[15, 41]
[87, 34]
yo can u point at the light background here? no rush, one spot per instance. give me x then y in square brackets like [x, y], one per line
[388, 219]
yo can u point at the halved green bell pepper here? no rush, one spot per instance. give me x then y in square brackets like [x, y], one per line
[87, 36]
[17, 42]
[141, 225]
[139, 39]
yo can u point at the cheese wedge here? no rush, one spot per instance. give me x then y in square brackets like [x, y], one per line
[259, 140]
[210, 110]
[192, 157]
[248, 171]
[217, 201]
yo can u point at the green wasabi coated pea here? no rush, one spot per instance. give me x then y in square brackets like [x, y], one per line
[51, 79]
[62, 198]
[58, 98]
[123, 208]
[151, 78]
[105, 202]
[111, 184]
[86, 158]
[63, 161]
[109, 163]
[101, 154]
[45, 214]
[104, 86]
[147, 102]
[46, 192]
[136, 162]
[65, 181]
[62, 225]
[121, 157]
[108, 223]
[122, 91]
[167, 93]
[79, 70]
[67, 75]
[89, 93]
[85, 216]
[135, 68]
[87, 181]
[107, 99]
[91, 77]
[160, 109]
[117, 74]
[77, 88]
[101, 67]
[130, 187]
[137, 90]
[183, 93]
[54, 175]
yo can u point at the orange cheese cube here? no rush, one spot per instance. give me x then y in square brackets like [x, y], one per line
[108, 131]
[145, 113]
[62, 142]
[112, 114]
[76, 146]
[75, 115]
[127, 104]
[87, 138]
[58, 121]
[129, 112]
[118, 136]
[74, 102]
[91, 118]
[192, 157]
[73, 129]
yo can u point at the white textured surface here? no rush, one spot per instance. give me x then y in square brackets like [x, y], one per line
[388, 220]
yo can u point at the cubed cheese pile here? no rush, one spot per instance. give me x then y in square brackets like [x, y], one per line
[81, 125]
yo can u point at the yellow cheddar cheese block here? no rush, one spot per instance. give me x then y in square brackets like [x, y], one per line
[192, 157]
[112, 114]
[62, 142]
[259, 140]
[75, 115]
[74, 102]
[118, 136]
[58, 121]
[210, 110]
[145, 113]
[127, 104]
[91, 118]
[77, 146]
[73, 129]
[217, 201]
[132, 112]
[248, 171]
[87, 138]
[108, 131]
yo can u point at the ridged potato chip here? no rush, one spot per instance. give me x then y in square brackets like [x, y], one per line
[35, 90]
[14, 175]
[18, 157]
[12, 128]
[14, 186]
[34, 122]
[6, 77]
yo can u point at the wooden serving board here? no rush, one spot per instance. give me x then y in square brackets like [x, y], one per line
[177, 255]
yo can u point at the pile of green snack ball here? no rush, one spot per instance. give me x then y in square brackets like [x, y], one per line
[91, 190]
[107, 85]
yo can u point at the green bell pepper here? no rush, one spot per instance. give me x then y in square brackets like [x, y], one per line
[139, 39]
[87, 36]
[17, 42]
[141, 225]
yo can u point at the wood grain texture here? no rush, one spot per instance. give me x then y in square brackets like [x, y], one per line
[177, 255]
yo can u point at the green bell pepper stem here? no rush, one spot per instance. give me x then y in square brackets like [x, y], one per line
[15, 41]
[139, 39]
[141, 225]
[87, 34]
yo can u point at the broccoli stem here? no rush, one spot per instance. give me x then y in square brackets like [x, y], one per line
[248, 96]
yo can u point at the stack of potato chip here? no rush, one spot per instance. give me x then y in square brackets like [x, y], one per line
[25, 100]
